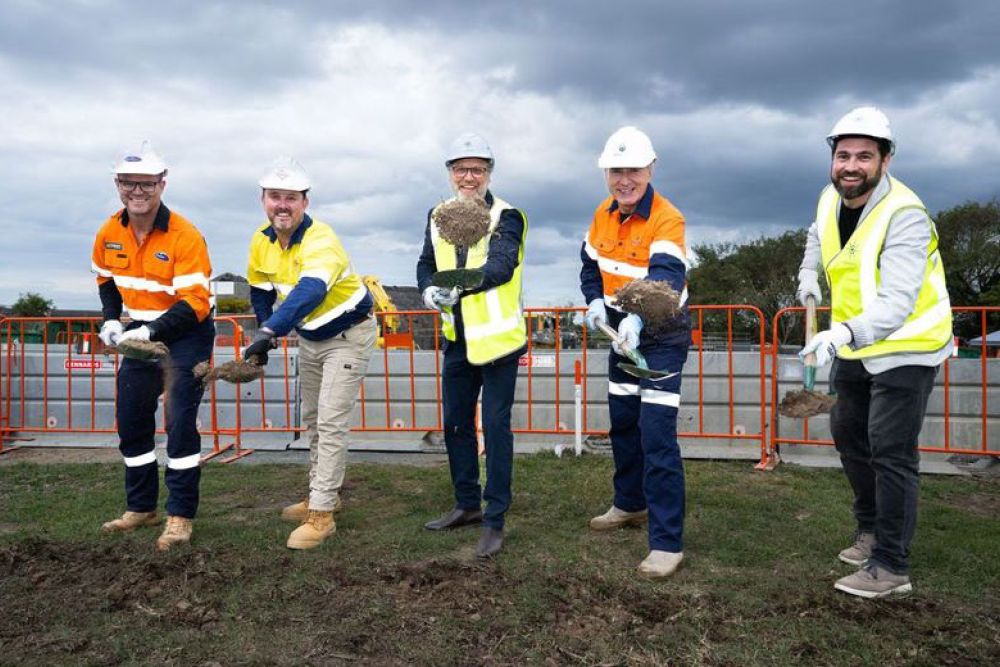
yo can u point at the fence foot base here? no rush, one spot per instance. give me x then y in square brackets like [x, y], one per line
[769, 462]
[240, 453]
[221, 450]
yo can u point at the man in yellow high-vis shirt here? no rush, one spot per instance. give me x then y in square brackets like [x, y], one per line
[485, 333]
[890, 331]
[300, 261]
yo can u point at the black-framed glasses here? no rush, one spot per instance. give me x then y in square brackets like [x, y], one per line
[462, 172]
[129, 186]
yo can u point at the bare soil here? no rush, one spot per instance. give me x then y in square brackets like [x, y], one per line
[805, 403]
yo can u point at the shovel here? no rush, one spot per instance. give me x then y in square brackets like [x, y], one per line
[806, 402]
[639, 368]
[463, 279]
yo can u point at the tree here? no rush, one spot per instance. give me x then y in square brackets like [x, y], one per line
[969, 239]
[32, 305]
[762, 273]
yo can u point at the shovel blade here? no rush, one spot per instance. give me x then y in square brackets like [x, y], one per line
[464, 279]
[645, 373]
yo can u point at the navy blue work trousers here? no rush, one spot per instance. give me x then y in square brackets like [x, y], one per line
[462, 384]
[875, 424]
[649, 471]
[140, 384]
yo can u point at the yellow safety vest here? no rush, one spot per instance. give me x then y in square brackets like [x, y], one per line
[852, 271]
[493, 320]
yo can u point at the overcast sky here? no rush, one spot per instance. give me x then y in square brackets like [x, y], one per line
[737, 97]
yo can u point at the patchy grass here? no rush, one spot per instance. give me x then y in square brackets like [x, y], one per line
[756, 587]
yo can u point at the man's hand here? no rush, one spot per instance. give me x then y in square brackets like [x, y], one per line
[437, 298]
[826, 343]
[263, 342]
[111, 332]
[628, 334]
[141, 333]
[808, 286]
[596, 311]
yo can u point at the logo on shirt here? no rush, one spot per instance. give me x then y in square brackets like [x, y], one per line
[851, 249]
[112, 246]
[162, 256]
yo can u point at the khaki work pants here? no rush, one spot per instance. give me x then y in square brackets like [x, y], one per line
[331, 371]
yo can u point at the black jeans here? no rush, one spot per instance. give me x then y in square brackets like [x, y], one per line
[875, 425]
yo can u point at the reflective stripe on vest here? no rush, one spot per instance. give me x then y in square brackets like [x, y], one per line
[494, 320]
[853, 273]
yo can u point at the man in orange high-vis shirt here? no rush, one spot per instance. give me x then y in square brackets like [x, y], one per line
[637, 234]
[155, 263]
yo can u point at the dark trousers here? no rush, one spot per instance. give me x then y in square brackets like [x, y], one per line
[462, 384]
[140, 384]
[875, 424]
[649, 471]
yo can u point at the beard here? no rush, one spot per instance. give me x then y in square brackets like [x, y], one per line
[853, 192]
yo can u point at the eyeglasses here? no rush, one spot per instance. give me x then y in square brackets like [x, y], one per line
[130, 186]
[462, 172]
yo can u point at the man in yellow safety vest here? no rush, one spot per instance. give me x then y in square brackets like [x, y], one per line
[485, 335]
[890, 329]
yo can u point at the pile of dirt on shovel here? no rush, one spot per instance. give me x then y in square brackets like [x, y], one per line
[461, 221]
[146, 350]
[805, 403]
[655, 301]
[235, 372]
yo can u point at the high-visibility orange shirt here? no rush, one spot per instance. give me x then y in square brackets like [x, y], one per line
[171, 265]
[648, 244]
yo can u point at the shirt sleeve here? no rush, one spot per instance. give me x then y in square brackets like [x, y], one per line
[111, 298]
[591, 283]
[902, 265]
[426, 264]
[667, 254]
[192, 271]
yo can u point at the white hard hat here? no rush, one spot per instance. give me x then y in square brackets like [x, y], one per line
[865, 122]
[469, 144]
[286, 174]
[628, 147]
[146, 161]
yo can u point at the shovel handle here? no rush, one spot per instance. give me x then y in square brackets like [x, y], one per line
[809, 377]
[613, 335]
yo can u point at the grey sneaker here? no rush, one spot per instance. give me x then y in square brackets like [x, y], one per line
[874, 581]
[860, 551]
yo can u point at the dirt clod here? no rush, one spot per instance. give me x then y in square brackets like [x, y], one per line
[655, 301]
[805, 403]
[235, 372]
[144, 350]
[461, 221]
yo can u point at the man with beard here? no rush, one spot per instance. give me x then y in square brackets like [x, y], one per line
[155, 264]
[301, 261]
[485, 335]
[890, 329]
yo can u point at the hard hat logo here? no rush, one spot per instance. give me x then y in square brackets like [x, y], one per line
[144, 161]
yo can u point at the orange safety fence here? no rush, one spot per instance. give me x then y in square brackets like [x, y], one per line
[977, 396]
[729, 397]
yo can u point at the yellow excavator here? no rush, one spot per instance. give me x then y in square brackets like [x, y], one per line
[388, 324]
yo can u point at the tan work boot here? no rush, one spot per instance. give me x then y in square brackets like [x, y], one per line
[616, 518]
[858, 553]
[317, 527]
[660, 564]
[178, 531]
[299, 512]
[130, 521]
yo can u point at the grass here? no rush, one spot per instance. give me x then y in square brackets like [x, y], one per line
[756, 587]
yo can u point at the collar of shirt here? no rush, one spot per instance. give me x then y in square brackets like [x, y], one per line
[297, 235]
[159, 222]
[641, 209]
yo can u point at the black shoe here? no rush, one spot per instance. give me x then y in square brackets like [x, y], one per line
[490, 542]
[455, 518]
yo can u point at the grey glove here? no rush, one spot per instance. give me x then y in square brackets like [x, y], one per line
[437, 298]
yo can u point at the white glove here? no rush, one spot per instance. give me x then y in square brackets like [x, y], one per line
[628, 334]
[596, 311]
[437, 298]
[111, 331]
[826, 343]
[142, 333]
[808, 286]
